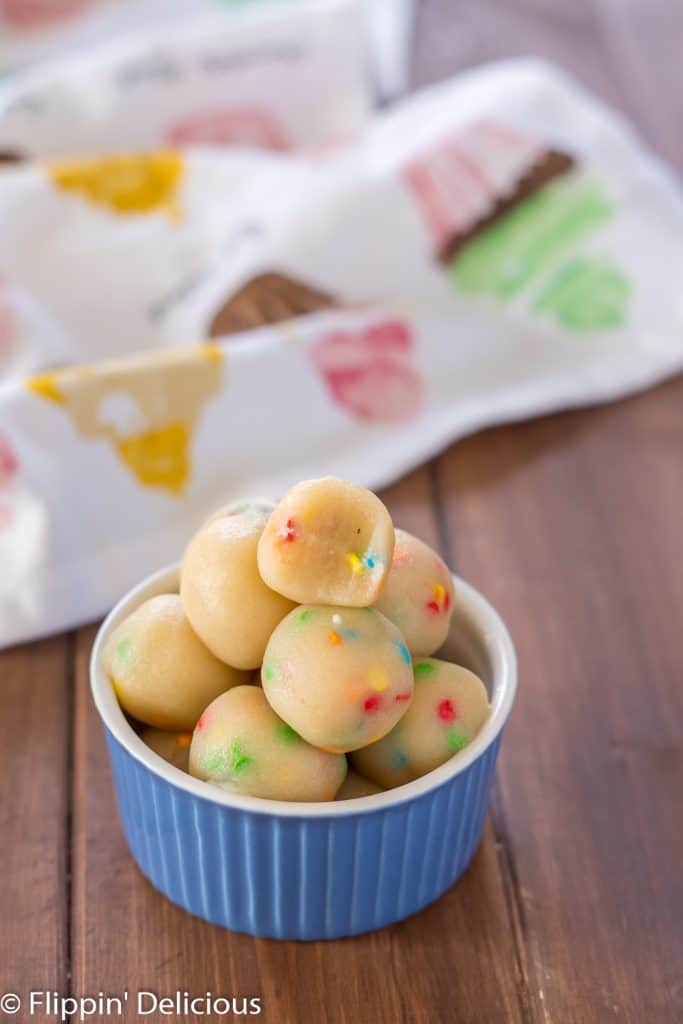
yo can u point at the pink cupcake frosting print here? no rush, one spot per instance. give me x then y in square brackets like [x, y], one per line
[247, 126]
[370, 372]
[33, 14]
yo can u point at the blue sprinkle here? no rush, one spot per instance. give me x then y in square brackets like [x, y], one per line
[369, 560]
[403, 651]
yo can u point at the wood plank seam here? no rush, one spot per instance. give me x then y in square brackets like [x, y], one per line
[70, 781]
[504, 852]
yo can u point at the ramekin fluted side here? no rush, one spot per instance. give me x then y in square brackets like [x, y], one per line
[291, 877]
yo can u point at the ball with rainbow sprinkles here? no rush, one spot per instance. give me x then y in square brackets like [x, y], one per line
[300, 642]
[342, 677]
[327, 542]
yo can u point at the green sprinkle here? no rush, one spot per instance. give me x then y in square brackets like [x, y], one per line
[286, 733]
[268, 673]
[305, 615]
[456, 741]
[124, 650]
[423, 668]
[239, 759]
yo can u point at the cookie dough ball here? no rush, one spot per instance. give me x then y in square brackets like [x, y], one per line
[327, 542]
[241, 745]
[162, 673]
[418, 595]
[225, 599]
[449, 708]
[341, 677]
[174, 747]
[354, 785]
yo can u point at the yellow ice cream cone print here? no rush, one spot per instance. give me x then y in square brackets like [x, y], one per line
[45, 385]
[134, 184]
[159, 458]
[147, 407]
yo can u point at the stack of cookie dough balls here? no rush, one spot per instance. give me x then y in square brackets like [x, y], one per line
[300, 641]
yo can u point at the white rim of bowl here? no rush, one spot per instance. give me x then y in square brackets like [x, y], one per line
[493, 634]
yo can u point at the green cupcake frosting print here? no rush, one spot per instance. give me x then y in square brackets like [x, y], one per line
[586, 295]
[509, 216]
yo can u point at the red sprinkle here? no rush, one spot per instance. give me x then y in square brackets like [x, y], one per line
[433, 606]
[373, 703]
[447, 711]
[402, 696]
[290, 531]
[202, 722]
[447, 601]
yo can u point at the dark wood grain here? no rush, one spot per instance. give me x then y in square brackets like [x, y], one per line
[571, 525]
[34, 816]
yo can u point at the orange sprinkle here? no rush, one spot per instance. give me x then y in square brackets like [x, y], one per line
[333, 637]
[439, 593]
[183, 739]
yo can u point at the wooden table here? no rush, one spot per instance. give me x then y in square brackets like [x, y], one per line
[572, 910]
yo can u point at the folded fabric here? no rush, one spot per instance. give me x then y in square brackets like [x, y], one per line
[500, 246]
[267, 75]
[32, 31]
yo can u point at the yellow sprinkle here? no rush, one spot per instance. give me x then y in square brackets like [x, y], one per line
[354, 561]
[333, 637]
[439, 593]
[377, 736]
[378, 678]
[183, 739]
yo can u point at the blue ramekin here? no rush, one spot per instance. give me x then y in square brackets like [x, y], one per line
[309, 871]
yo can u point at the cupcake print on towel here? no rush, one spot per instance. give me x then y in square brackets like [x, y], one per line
[370, 372]
[507, 216]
